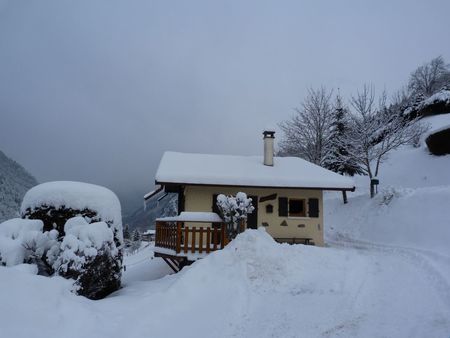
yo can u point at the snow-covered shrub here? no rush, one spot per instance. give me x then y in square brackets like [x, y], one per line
[234, 210]
[56, 202]
[90, 256]
[22, 241]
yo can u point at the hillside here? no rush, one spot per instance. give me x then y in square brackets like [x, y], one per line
[144, 218]
[411, 208]
[14, 183]
[384, 273]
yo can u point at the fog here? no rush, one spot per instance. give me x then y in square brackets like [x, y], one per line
[96, 91]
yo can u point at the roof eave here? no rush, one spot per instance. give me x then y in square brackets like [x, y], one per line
[257, 186]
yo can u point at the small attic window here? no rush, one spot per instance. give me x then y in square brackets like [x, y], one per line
[269, 208]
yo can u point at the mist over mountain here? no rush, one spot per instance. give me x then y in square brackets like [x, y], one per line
[15, 181]
[143, 219]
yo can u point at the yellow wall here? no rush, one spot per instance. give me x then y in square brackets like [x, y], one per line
[199, 198]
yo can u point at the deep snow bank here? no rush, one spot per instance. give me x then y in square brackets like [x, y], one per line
[412, 208]
[406, 217]
[255, 287]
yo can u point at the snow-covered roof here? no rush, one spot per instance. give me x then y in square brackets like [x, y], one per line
[230, 170]
[193, 216]
[149, 232]
[76, 195]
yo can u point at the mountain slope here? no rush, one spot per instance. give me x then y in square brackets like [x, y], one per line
[144, 219]
[14, 183]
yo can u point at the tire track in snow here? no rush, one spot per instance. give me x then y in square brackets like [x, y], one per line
[419, 258]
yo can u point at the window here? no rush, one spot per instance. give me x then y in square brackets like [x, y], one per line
[269, 208]
[297, 208]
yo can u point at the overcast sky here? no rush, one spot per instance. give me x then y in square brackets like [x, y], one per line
[97, 90]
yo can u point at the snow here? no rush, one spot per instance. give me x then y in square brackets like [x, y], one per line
[385, 273]
[193, 216]
[149, 232]
[76, 195]
[255, 287]
[83, 241]
[436, 123]
[232, 170]
[443, 96]
[15, 234]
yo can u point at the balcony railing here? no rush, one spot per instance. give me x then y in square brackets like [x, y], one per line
[188, 237]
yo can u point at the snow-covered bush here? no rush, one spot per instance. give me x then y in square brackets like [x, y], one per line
[90, 256]
[22, 241]
[87, 252]
[56, 202]
[234, 210]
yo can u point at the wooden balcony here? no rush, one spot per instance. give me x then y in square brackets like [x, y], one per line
[185, 238]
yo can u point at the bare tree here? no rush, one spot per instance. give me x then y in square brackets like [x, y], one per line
[430, 77]
[306, 134]
[376, 131]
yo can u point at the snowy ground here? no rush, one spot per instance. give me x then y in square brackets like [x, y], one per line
[385, 273]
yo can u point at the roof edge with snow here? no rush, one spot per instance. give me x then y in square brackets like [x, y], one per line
[248, 172]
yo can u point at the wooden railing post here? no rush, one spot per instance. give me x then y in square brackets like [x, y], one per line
[186, 238]
[178, 238]
[208, 240]
[200, 241]
[214, 238]
[193, 240]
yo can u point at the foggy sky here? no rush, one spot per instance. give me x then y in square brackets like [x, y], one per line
[97, 90]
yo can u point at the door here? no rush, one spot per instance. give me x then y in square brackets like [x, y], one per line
[252, 219]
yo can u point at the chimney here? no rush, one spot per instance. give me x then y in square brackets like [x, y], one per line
[269, 136]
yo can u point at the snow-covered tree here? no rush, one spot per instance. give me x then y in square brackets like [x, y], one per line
[307, 133]
[234, 210]
[340, 157]
[136, 236]
[376, 131]
[430, 77]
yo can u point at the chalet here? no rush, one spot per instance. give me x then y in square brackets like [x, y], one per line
[148, 235]
[286, 192]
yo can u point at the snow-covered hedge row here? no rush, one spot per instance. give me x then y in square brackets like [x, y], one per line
[87, 253]
[71, 229]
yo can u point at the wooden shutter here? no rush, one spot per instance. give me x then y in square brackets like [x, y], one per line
[282, 206]
[313, 207]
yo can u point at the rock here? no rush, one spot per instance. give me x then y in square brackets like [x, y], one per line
[439, 143]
